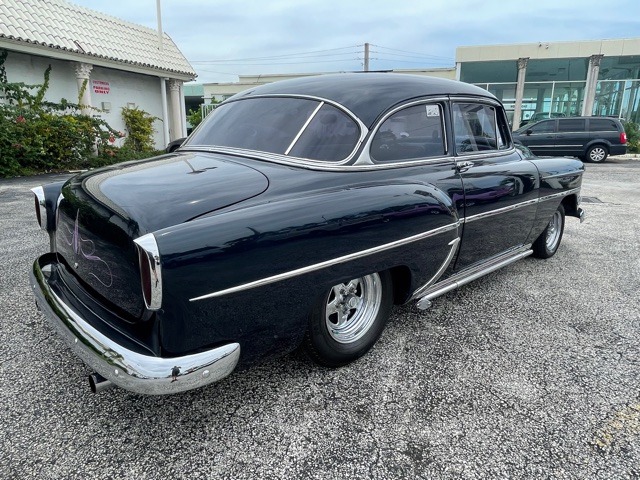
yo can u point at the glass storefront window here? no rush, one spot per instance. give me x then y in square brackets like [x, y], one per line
[557, 70]
[619, 68]
[618, 98]
[568, 98]
[489, 72]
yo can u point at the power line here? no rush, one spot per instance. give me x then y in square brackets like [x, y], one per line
[276, 57]
[425, 55]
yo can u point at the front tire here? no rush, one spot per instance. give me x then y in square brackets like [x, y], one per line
[597, 153]
[349, 319]
[546, 245]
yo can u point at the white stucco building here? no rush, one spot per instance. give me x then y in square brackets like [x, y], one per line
[122, 64]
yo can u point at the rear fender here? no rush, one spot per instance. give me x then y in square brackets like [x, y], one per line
[283, 254]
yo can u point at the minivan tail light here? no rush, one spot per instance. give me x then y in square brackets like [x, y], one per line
[150, 271]
[623, 138]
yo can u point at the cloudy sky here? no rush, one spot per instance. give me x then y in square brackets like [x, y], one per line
[224, 38]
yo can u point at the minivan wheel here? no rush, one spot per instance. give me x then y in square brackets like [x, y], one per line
[597, 153]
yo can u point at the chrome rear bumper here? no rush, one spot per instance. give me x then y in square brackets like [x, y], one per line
[130, 370]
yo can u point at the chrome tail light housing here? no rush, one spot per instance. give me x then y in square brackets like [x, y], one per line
[41, 207]
[150, 271]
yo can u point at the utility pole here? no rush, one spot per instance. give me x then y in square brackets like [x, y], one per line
[366, 57]
[159, 14]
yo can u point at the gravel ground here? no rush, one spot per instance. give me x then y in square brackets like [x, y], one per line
[530, 372]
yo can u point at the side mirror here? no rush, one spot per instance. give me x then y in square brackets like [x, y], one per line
[529, 132]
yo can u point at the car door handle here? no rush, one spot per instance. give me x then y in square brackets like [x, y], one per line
[464, 165]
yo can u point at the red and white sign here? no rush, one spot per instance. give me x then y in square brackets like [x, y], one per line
[100, 87]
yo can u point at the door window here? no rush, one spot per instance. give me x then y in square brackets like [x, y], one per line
[543, 127]
[412, 133]
[475, 128]
[571, 125]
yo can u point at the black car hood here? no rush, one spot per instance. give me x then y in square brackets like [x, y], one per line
[171, 189]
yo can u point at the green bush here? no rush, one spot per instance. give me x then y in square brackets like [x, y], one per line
[39, 136]
[633, 136]
[139, 125]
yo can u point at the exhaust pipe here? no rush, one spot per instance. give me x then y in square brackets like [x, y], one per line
[98, 383]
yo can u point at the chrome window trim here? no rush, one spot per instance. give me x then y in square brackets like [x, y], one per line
[328, 263]
[304, 127]
[148, 246]
[282, 158]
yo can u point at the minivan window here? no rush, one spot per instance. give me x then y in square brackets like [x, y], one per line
[602, 125]
[571, 125]
[411, 133]
[474, 127]
[547, 126]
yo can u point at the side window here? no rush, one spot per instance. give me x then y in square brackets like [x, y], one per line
[475, 129]
[571, 125]
[544, 127]
[412, 133]
[602, 125]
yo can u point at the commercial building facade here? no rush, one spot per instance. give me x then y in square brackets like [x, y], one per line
[558, 79]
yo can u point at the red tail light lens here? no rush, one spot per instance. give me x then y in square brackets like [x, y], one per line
[623, 138]
[145, 276]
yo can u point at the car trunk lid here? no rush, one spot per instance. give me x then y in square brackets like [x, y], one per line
[103, 211]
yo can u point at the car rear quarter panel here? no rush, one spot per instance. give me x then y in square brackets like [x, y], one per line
[233, 248]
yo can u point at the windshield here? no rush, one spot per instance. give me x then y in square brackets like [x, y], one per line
[295, 127]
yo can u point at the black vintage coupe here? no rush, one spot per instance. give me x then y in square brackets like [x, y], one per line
[295, 216]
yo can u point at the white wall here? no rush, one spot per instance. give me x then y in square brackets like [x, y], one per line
[124, 88]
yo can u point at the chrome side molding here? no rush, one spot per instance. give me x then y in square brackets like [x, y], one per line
[471, 274]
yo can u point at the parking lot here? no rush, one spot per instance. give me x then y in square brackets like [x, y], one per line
[530, 372]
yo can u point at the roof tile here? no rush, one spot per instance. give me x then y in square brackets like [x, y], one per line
[59, 24]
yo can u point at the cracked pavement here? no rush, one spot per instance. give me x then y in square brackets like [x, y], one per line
[530, 372]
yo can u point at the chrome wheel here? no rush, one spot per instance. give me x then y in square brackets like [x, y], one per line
[352, 308]
[597, 154]
[547, 243]
[554, 230]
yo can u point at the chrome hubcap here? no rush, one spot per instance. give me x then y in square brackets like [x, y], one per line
[597, 154]
[352, 308]
[553, 231]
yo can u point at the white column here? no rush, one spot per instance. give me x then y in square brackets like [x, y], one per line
[183, 111]
[165, 113]
[83, 77]
[517, 111]
[592, 83]
[176, 111]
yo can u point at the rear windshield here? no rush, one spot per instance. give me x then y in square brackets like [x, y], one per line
[296, 127]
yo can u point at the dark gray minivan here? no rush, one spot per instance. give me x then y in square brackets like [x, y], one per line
[589, 138]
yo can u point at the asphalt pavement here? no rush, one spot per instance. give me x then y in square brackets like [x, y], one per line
[530, 372]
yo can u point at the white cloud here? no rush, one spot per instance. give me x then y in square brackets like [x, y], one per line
[208, 31]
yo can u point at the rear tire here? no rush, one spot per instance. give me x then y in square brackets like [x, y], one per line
[597, 154]
[546, 245]
[349, 319]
